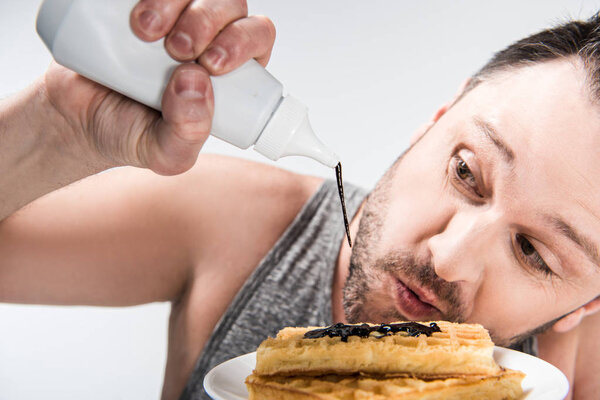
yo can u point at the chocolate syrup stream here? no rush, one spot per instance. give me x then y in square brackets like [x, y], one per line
[340, 185]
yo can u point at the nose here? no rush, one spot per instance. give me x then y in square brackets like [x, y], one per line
[456, 249]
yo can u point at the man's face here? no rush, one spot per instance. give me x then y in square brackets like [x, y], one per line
[494, 215]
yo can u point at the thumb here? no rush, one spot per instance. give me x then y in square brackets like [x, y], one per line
[172, 143]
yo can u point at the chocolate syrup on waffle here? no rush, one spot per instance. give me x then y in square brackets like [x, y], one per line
[340, 185]
[365, 330]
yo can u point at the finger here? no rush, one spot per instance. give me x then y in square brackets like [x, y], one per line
[172, 146]
[198, 25]
[151, 20]
[247, 38]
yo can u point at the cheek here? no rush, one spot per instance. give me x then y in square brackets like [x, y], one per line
[417, 198]
[509, 303]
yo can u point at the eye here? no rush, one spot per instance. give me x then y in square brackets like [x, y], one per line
[463, 171]
[530, 255]
[464, 176]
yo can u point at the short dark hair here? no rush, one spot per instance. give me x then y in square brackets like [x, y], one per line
[574, 38]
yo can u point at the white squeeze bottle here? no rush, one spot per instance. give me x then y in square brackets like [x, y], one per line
[93, 38]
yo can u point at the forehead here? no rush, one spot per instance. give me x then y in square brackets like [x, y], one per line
[546, 115]
[544, 111]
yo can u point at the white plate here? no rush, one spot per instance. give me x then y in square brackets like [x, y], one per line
[543, 381]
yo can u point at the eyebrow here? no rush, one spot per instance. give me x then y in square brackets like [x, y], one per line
[490, 132]
[585, 243]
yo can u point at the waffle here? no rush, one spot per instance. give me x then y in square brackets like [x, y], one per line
[505, 385]
[458, 350]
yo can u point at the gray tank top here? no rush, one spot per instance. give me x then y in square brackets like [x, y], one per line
[290, 287]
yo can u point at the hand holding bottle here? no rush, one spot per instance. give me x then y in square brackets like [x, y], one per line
[217, 34]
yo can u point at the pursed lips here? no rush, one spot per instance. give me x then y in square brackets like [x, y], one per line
[413, 300]
[426, 296]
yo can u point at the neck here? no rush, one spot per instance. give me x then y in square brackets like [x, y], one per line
[341, 270]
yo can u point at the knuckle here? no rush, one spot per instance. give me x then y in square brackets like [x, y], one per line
[267, 25]
[193, 133]
[194, 119]
[204, 21]
[171, 157]
[177, 165]
[242, 5]
[241, 35]
[173, 8]
[167, 8]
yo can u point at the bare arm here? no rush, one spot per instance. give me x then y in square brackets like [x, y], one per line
[129, 236]
[112, 239]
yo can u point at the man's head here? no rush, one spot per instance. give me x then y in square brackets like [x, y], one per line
[493, 215]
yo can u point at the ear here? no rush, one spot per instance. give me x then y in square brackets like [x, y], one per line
[574, 318]
[438, 114]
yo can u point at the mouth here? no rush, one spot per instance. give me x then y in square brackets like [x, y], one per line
[415, 304]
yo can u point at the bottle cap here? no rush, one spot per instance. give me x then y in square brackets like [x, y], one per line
[288, 133]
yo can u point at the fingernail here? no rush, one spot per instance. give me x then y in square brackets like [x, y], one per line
[215, 57]
[181, 43]
[190, 84]
[150, 21]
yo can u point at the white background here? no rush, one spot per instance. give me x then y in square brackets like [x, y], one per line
[370, 71]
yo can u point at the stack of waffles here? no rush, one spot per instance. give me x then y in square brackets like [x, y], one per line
[443, 360]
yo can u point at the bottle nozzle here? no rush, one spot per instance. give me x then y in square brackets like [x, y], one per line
[305, 143]
[289, 133]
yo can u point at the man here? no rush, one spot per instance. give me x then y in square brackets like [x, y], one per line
[489, 217]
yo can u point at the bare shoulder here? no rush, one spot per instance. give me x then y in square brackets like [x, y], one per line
[253, 178]
[243, 206]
